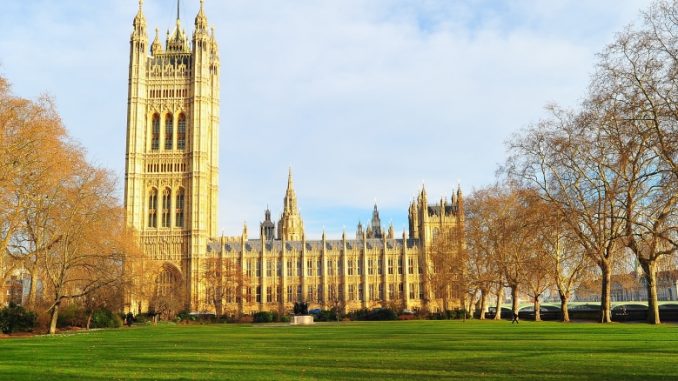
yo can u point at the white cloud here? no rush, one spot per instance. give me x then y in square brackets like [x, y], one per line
[365, 98]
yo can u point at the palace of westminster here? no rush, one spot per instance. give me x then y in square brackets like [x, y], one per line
[171, 188]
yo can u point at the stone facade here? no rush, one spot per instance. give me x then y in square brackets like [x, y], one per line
[171, 173]
[171, 201]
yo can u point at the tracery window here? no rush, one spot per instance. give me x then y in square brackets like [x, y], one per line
[166, 202]
[169, 131]
[166, 282]
[179, 209]
[155, 133]
[181, 132]
[153, 208]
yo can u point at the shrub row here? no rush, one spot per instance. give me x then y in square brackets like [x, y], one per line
[75, 316]
[374, 315]
[15, 318]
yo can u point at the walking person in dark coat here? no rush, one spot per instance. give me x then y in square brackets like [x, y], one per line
[515, 318]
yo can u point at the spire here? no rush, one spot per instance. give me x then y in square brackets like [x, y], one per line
[177, 41]
[290, 225]
[201, 19]
[290, 201]
[178, 12]
[139, 20]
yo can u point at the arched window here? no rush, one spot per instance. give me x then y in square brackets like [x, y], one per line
[155, 133]
[179, 218]
[166, 201]
[153, 208]
[167, 282]
[169, 131]
[181, 132]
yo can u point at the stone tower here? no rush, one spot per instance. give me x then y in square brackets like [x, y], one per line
[171, 167]
[290, 226]
[427, 221]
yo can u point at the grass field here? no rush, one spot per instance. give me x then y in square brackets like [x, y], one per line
[405, 350]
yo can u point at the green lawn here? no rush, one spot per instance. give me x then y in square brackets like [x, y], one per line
[406, 350]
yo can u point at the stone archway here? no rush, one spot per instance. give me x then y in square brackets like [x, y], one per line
[168, 298]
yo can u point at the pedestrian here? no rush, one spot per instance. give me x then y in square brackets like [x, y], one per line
[515, 318]
[129, 319]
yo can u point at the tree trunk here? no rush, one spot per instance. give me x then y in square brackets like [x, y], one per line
[470, 306]
[30, 298]
[537, 308]
[483, 303]
[605, 310]
[500, 297]
[650, 270]
[89, 319]
[514, 297]
[53, 320]
[564, 313]
[219, 308]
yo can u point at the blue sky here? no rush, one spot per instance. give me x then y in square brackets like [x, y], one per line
[365, 99]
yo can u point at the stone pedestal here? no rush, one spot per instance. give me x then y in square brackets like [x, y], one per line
[302, 320]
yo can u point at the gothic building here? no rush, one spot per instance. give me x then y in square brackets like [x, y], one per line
[171, 187]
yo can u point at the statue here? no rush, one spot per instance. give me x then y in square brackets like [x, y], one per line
[300, 308]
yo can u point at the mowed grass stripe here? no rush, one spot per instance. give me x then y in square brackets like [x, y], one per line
[404, 350]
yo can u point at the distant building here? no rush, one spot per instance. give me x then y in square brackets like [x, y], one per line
[171, 180]
[631, 287]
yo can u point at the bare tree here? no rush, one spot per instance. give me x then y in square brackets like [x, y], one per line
[566, 160]
[223, 278]
[33, 155]
[447, 267]
[88, 255]
[483, 271]
[635, 86]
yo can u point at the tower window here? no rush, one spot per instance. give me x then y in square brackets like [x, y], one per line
[181, 132]
[166, 201]
[153, 208]
[169, 131]
[180, 209]
[155, 133]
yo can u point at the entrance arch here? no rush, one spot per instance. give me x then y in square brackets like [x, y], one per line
[168, 298]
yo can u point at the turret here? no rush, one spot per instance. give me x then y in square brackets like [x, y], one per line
[139, 23]
[156, 47]
[267, 227]
[201, 19]
[374, 228]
